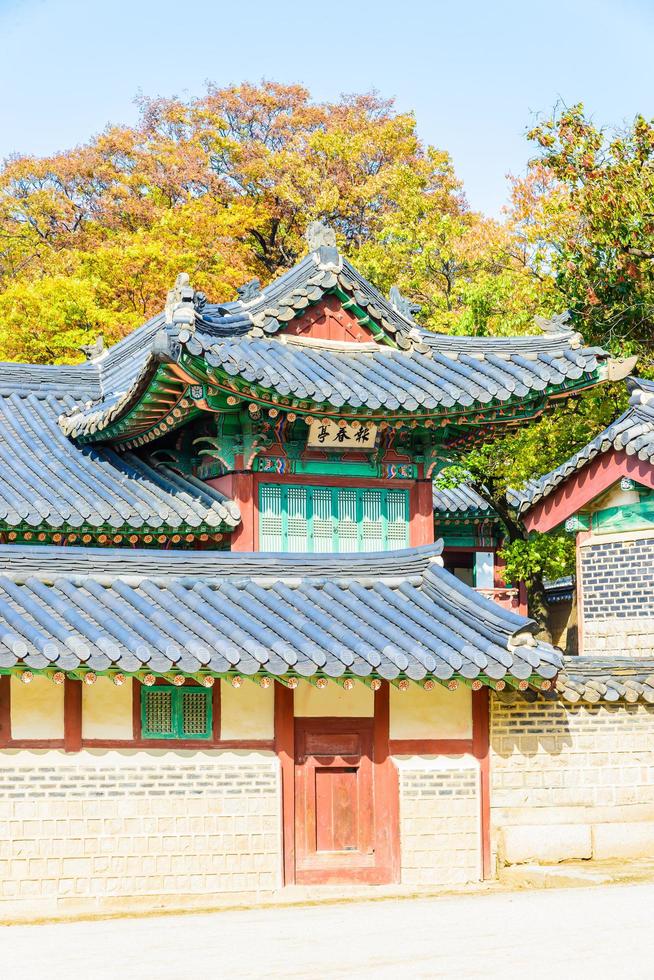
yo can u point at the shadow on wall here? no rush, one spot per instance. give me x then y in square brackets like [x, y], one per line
[530, 728]
[557, 727]
[562, 623]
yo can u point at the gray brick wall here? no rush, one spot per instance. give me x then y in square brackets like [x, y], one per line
[618, 579]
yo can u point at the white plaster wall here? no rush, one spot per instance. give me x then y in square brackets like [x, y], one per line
[107, 710]
[246, 712]
[615, 496]
[37, 709]
[333, 701]
[440, 713]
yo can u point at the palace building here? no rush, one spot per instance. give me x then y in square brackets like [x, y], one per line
[245, 645]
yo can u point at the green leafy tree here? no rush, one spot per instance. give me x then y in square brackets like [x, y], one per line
[585, 214]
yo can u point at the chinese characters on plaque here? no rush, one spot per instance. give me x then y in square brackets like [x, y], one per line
[325, 434]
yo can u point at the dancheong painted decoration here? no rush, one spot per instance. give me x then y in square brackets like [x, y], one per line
[240, 628]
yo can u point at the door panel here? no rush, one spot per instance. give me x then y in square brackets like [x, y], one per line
[334, 800]
[336, 809]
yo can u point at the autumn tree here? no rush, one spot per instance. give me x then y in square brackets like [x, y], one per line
[585, 212]
[223, 186]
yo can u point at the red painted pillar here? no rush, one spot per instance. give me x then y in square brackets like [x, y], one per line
[72, 715]
[481, 751]
[386, 788]
[242, 489]
[421, 530]
[285, 749]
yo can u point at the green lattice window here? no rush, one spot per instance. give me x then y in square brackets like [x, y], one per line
[330, 519]
[176, 712]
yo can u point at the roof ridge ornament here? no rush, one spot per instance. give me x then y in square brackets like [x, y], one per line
[402, 305]
[321, 239]
[618, 368]
[319, 234]
[93, 351]
[559, 326]
[559, 323]
[249, 290]
[179, 302]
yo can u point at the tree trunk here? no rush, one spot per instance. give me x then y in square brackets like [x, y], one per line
[538, 609]
[516, 531]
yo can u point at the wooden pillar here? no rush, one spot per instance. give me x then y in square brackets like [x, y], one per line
[386, 784]
[421, 529]
[5, 709]
[481, 751]
[72, 715]
[285, 749]
[245, 535]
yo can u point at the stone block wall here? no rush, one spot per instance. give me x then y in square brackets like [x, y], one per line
[104, 830]
[439, 820]
[571, 781]
[617, 584]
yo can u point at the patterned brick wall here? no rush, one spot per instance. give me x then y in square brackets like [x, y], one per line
[439, 821]
[618, 579]
[561, 775]
[95, 830]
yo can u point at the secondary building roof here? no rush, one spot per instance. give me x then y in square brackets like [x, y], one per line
[632, 433]
[50, 484]
[594, 679]
[461, 502]
[394, 615]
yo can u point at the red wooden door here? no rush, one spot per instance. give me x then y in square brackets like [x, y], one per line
[334, 801]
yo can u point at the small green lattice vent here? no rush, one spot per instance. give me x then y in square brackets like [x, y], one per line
[194, 713]
[176, 712]
[159, 713]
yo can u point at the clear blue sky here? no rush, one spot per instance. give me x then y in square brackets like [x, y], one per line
[475, 73]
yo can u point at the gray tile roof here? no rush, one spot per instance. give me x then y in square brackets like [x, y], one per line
[388, 615]
[405, 369]
[632, 433]
[47, 481]
[461, 501]
[606, 680]
[449, 374]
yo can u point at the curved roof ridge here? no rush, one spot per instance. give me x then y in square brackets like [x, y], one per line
[48, 562]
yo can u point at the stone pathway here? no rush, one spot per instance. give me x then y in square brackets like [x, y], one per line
[596, 932]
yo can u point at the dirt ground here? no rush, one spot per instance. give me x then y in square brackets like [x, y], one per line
[598, 932]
